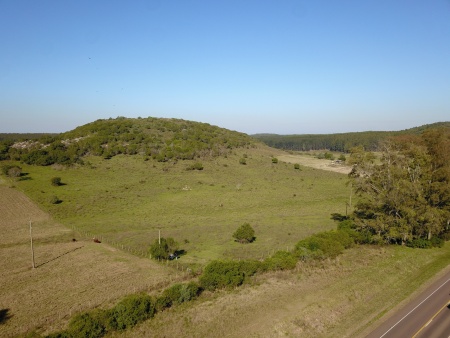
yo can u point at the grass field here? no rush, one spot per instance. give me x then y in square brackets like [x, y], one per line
[126, 200]
[342, 298]
[69, 276]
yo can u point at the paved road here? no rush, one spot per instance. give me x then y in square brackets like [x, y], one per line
[428, 315]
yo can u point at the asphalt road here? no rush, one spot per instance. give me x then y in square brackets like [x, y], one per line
[427, 315]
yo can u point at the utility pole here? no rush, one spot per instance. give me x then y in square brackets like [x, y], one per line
[159, 237]
[32, 250]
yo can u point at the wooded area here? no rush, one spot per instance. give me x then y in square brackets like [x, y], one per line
[406, 198]
[343, 142]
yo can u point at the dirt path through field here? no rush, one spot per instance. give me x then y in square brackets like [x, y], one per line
[313, 162]
[70, 276]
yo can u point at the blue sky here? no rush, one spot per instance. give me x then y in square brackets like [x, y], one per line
[278, 66]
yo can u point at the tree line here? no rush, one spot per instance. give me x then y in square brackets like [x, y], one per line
[342, 142]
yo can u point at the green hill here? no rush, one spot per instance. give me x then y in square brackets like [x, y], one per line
[159, 138]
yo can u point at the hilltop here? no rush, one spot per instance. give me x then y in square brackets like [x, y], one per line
[161, 139]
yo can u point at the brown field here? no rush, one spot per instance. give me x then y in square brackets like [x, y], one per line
[69, 276]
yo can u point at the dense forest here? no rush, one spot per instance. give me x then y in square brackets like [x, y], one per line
[158, 138]
[343, 142]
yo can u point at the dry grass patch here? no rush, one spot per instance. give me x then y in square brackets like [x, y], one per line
[340, 298]
[69, 276]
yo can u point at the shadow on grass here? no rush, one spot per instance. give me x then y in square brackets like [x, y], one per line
[53, 259]
[4, 315]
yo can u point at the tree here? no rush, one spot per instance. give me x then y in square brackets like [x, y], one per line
[244, 234]
[164, 248]
[56, 181]
[407, 195]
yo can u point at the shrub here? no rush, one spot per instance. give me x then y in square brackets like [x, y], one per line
[195, 166]
[244, 234]
[281, 260]
[228, 274]
[437, 242]
[274, 160]
[296, 166]
[221, 274]
[318, 248]
[164, 249]
[56, 181]
[342, 237]
[242, 161]
[130, 311]
[420, 243]
[11, 170]
[88, 324]
[54, 200]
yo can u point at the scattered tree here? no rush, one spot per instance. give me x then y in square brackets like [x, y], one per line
[164, 249]
[56, 181]
[244, 234]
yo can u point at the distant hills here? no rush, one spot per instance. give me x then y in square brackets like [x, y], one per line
[342, 142]
[166, 139]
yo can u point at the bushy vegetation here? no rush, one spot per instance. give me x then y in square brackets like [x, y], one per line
[163, 248]
[244, 234]
[227, 274]
[56, 181]
[129, 312]
[11, 170]
[158, 138]
[405, 198]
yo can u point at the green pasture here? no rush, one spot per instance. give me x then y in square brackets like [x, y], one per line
[127, 200]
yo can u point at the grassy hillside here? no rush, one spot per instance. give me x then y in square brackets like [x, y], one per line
[158, 138]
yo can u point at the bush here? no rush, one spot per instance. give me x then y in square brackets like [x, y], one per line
[164, 249]
[177, 294]
[274, 160]
[228, 274]
[244, 234]
[54, 200]
[420, 243]
[56, 181]
[281, 260]
[195, 166]
[342, 237]
[318, 248]
[242, 161]
[221, 274]
[11, 170]
[296, 166]
[437, 242]
[88, 324]
[130, 311]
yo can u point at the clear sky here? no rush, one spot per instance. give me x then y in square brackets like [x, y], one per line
[255, 66]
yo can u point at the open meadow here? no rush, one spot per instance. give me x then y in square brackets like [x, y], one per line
[124, 201]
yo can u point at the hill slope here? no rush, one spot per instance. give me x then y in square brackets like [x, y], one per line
[159, 138]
